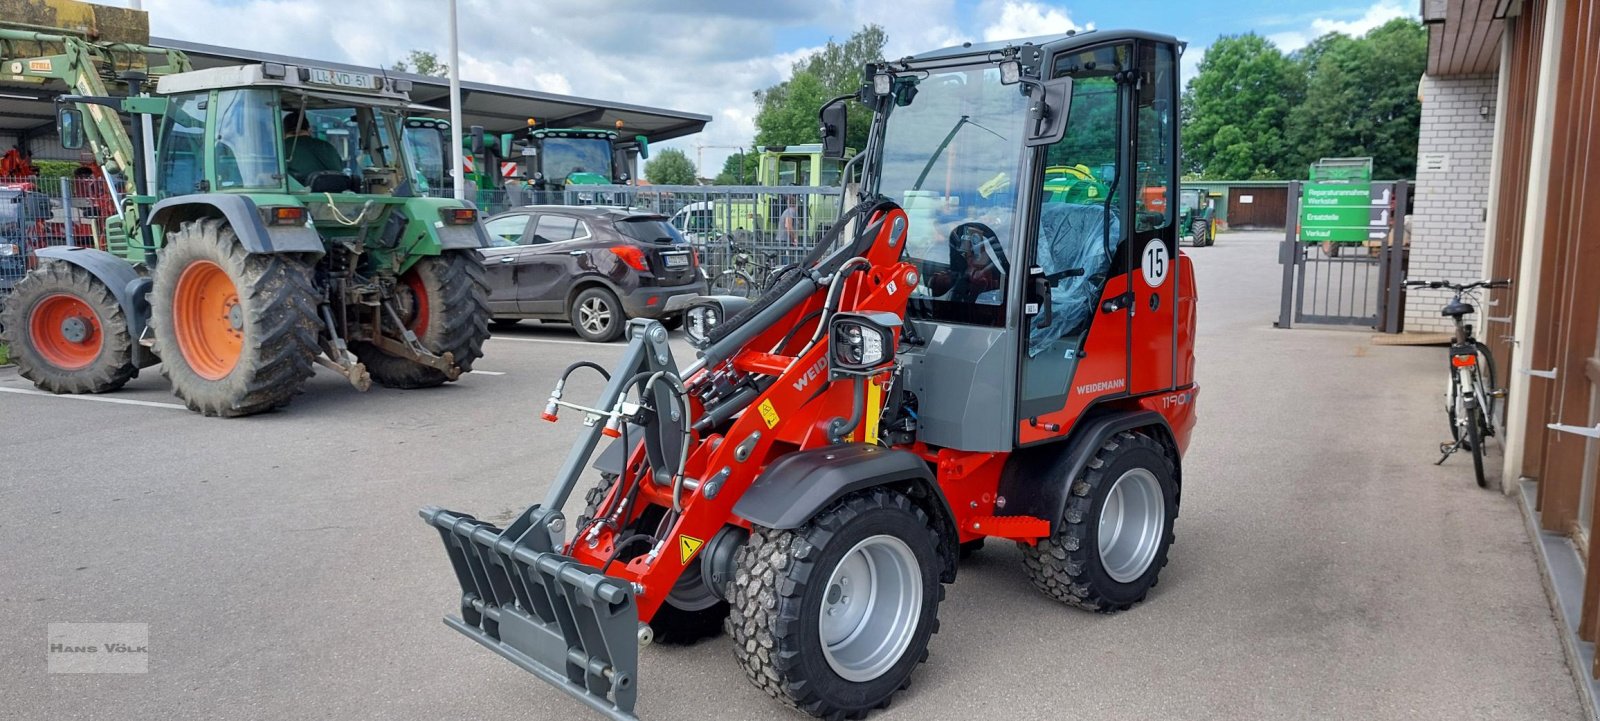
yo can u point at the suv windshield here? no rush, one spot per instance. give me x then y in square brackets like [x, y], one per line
[951, 159]
[649, 230]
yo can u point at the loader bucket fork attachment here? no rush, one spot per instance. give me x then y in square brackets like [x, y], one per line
[560, 620]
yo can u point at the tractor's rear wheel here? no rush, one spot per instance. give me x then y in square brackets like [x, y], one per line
[691, 613]
[1113, 539]
[66, 331]
[1200, 230]
[236, 331]
[444, 300]
[832, 618]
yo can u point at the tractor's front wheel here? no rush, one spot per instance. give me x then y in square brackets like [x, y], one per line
[1200, 230]
[444, 300]
[1112, 541]
[236, 331]
[832, 618]
[66, 331]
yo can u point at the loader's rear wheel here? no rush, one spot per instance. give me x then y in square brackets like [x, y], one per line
[66, 331]
[833, 617]
[1113, 539]
[444, 300]
[236, 331]
[692, 613]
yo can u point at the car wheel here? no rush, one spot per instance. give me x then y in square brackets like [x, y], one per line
[597, 315]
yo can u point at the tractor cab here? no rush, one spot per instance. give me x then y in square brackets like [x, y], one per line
[285, 129]
[1055, 255]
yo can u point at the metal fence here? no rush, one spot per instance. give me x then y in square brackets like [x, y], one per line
[36, 213]
[742, 232]
[1346, 283]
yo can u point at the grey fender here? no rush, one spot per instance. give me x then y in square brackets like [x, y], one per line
[130, 289]
[794, 488]
[240, 211]
[1028, 493]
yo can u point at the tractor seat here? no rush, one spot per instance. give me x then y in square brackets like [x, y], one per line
[1457, 308]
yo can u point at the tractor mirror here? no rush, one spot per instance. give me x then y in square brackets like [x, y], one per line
[477, 140]
[644, 146]
[69, 125]
[505, 145]
[861, 343]
[835, 117]
[1047, 119]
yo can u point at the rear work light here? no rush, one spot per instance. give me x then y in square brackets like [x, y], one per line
[1463, 361]
[632, 256]
[459, 216]
[284, 215]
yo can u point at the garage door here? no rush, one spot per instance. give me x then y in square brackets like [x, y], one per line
[1257, 207]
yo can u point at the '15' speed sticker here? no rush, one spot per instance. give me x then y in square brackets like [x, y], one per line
[1154, 262]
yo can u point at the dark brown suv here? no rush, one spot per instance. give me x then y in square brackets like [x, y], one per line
[592, 266]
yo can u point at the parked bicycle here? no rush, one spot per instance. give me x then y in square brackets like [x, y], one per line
[1471, 395]
[748, 273]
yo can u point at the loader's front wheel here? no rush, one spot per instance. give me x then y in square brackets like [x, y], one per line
[66, 331]
[236, 331]
[832, 618]
[1113, 538]
[444, 300]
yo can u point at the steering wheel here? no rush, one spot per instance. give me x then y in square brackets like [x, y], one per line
[984, 244]
[328, 181]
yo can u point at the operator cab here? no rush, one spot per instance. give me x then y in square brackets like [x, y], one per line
[283, 128]
[1054, 256]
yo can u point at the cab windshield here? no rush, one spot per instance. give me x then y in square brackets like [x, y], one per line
[951, 159]
[363, 138]
[425, 147]
[565, 156]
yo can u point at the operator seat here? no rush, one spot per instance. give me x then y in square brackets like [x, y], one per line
[1072, 237]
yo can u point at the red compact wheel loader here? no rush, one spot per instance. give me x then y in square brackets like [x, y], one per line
[962, 356]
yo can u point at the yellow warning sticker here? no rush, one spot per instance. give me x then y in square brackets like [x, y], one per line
[768, 413]
[688, 546]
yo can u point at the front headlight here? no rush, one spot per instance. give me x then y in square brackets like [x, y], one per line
[862, 342]
[698, 321]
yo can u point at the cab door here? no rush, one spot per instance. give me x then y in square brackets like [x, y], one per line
[1153, 281]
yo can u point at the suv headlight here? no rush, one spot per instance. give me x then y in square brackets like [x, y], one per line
[861, 342]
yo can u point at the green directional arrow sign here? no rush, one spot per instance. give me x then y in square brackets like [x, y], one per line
[1336, 216]
[1320, 194]
[1337, 212]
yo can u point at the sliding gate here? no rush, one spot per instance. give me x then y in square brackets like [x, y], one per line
[1344, 257]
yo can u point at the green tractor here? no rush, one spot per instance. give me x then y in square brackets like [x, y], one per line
[284, 229]
[1196, 216]
[546, 161]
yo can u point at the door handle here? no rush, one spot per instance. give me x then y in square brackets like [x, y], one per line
[506, 259]
[1117, 303]
[577, 252]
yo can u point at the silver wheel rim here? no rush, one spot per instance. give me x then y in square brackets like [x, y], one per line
[1131, 523]
[594, 315]
[870, 608]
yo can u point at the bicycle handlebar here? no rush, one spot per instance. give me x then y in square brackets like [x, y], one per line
[1436, 284]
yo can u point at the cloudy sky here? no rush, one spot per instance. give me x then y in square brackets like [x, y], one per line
[707, 56]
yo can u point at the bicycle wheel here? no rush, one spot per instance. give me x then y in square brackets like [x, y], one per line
[1474, 431]
[733, 282]
[1484, 387]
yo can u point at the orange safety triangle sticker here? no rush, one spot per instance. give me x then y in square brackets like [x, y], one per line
[688, 546]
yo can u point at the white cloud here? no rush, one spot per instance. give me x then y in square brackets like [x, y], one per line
[1021, 19]
[1375, 15]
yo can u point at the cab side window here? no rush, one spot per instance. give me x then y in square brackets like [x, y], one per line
[1156, 113]
[183, 133]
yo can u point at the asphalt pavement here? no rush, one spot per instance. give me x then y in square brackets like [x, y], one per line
[1324, 568]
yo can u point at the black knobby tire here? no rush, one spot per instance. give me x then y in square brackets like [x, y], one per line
[110, 366]
[671, 626]
[607, 320]
[1200, 231]
[455, 320]
[278, 313]
[1068, 565]
[781, 583]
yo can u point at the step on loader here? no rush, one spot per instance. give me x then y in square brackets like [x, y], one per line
[962, 357]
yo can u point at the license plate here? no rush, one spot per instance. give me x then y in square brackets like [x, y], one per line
[675, 260]
[359, 81]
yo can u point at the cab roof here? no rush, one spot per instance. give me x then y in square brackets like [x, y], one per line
[322, 81]
[1052, 43]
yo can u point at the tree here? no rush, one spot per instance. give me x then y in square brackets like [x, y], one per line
[670, 166]
[733, 174]
[1235, 109]
[421, 62]
[788, 112]
[1361, 98]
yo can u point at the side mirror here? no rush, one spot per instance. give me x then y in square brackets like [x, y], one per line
[644, 146]
[505, 145]
[69, 125]
[1047, 116]
[835, 117]
[477, 139]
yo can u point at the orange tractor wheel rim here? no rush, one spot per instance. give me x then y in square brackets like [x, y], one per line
[208, 320]
[419, 300]
[65, 331]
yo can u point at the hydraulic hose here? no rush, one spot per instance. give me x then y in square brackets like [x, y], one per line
[676, 387]
[838, 428]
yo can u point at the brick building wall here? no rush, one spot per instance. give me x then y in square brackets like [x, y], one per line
[1447, 224]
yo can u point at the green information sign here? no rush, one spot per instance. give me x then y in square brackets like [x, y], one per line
[1342, 212]
[1358, 195]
